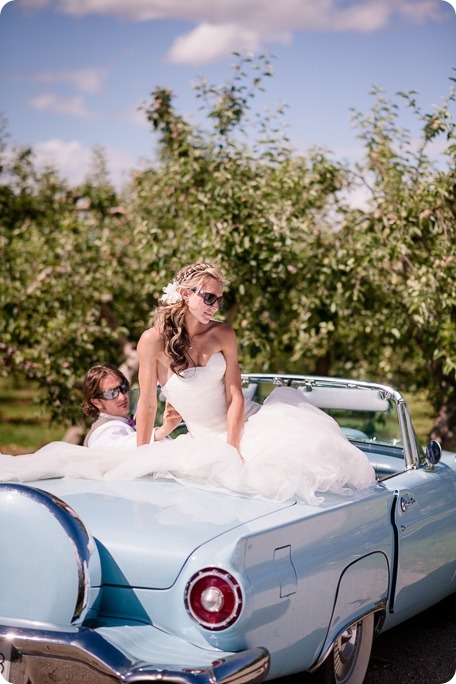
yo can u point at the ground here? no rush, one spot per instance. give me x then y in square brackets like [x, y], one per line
[421, 650]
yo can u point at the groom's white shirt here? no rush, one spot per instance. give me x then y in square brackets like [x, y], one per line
[114, 432]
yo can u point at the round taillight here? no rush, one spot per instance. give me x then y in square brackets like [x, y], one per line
[213, 598]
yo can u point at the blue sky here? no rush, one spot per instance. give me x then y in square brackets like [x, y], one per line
[73, 72]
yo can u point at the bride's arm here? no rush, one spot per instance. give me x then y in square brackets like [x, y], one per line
[148, 347]
[233, 388]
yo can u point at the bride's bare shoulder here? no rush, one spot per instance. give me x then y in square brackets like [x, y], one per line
[222, 330]
[151, 339]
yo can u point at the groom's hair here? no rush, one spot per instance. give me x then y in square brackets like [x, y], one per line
[92, 382]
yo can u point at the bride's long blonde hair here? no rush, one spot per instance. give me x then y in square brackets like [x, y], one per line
[170, 313]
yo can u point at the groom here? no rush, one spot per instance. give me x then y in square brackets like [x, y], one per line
[106, 397]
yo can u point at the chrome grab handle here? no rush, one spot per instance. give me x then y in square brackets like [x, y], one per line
[406, 503]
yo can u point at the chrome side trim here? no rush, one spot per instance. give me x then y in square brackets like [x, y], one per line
[410, 431]
[80, 538]
[40, 651]
[402, 415]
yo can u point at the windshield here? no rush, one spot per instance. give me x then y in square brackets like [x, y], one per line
[370, 426]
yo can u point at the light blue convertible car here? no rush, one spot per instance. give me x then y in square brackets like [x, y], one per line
[148, 581]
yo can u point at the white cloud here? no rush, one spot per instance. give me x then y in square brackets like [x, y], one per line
[73, 160]
[73, 106]
[207, 43]
[420, 11]
[85, 80]
[263, 16]
[257, 22]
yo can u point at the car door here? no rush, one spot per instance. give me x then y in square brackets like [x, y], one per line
[424, 523]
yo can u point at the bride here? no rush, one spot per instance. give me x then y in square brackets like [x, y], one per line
[287, 447]
[282, 449]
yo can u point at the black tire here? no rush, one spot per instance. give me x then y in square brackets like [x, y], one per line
[349, 659]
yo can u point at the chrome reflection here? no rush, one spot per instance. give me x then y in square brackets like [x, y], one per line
[80, 538]
[55, 652]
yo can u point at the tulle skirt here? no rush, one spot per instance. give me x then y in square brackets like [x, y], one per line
[290, 448]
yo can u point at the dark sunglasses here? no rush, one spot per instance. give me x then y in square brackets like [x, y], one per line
[210, 299]
[114, 393]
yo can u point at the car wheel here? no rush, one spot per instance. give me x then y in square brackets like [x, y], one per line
[349, 658]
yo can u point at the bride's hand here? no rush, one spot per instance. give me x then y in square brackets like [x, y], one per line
[238, 449]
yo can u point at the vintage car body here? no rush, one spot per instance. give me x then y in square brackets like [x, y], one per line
[145, 580]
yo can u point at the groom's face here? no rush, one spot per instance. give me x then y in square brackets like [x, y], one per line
[118, 406]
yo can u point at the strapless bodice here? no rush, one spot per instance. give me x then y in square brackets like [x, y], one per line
[199, 395]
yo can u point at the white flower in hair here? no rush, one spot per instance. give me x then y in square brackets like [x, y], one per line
[171, 294]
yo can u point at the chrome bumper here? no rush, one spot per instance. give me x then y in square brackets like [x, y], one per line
[82, 655]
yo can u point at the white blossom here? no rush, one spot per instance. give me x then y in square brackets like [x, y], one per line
[171, 294]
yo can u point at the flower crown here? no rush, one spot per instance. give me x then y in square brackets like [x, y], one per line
[171, 295]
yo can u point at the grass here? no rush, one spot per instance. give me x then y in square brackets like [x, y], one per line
[24, 427]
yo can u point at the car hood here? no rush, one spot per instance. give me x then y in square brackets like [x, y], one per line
[145, 530]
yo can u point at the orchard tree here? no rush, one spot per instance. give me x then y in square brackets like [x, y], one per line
[236, 194]
[63, 257]
[315, 286]
[396, 260]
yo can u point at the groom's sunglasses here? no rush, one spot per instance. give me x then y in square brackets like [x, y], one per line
[114, 393]
[210, 299]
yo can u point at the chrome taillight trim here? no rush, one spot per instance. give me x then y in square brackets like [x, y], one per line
[235, 587]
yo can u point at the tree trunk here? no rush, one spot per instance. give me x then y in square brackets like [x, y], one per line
[322, 364]
[444, 428]
[130, 365]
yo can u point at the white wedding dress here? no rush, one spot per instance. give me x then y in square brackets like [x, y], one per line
[291, 449]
